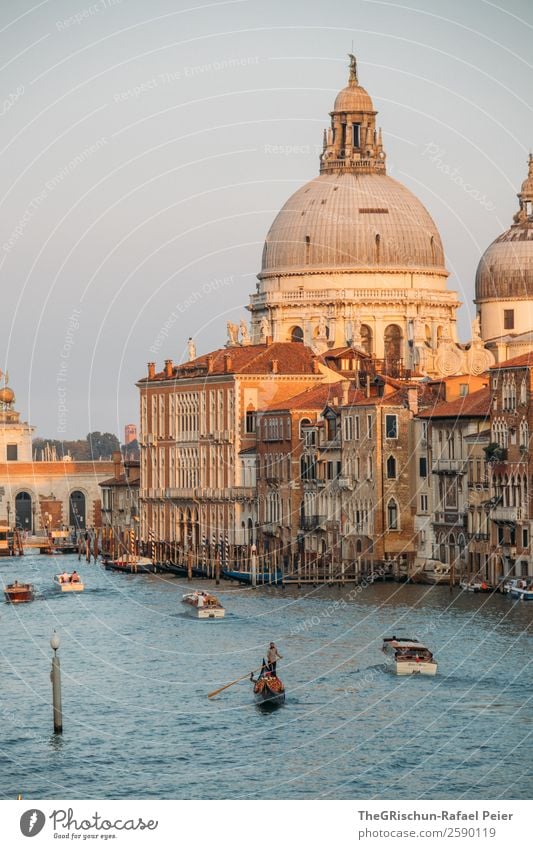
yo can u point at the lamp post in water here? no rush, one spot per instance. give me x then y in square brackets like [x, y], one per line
[55, 677]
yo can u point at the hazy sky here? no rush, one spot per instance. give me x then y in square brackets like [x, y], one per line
[138, 176]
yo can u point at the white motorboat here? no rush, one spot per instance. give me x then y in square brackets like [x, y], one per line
[522, 591]
[65, 584]
[203, 605]
[435, 572]
[475, 585]
[409, 657]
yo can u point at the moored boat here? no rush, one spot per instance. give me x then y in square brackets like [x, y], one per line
[131, 564]
[522, 591]
[409, 657]
[64, 583]
[268, 689]
[246, 577]
[16, 593]
[203, 605]
[475, 585]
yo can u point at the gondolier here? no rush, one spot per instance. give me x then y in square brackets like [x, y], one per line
[272, 656]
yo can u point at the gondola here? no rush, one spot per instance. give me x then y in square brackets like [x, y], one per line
[269, 690]
[246, 577]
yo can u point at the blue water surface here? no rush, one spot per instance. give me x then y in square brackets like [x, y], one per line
[136, 672]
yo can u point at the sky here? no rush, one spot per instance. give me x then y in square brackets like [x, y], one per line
[147, 147]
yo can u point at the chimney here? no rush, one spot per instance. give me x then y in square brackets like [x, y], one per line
[209, 361]
[368, 386]
[268, 340]
[274, 367]
[315, 366]
[151, 371]
[168, 368]
[335, 401]
[412, 400]
[345, 391]
[228, 363]
[117, 463]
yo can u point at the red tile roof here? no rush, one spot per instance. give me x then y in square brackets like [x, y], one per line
[475, 405]
[291, 358]
[316, 398]
[522, 360]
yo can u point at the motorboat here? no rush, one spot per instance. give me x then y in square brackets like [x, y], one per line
[409, 656]
[522, 591]
[202, 605]
[434, 572]
[65, 584]
[16, 593]
[475, 585]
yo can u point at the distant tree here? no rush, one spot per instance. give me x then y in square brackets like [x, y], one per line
[131, 450]
[102, 444]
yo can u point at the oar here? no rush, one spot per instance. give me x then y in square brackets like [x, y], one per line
[225, 687]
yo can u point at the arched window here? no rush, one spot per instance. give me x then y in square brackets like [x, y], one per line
[393, 344]
[23, 511]
[366, 338]
[391, 467]
[392, 515]
[296, 334]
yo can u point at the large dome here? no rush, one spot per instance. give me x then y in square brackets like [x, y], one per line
[506, 267]
[352, 222]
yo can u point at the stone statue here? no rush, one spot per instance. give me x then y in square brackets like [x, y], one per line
[476, 329]
[233, 334]
[191, 349]
[419, 330]
[264, 328]
[245, 336]
[322, 330]
[353, 68]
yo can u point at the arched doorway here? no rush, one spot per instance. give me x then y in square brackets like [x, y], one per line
[77, 510]
[23, 515]
[296, 334]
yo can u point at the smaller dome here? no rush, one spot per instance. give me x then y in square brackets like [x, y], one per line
[506, 267]
[353, 98]
[7, 396]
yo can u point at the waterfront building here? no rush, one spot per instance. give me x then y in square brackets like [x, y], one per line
[450, 426]
[38, 496]
[509, 464]
[198, 442]
[120, 506]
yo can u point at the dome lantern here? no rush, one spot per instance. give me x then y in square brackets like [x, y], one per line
[352, 143]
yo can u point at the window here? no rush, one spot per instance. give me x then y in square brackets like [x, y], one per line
[250, 421]
[356, 427]
[392, 515]
[355, 138]
[391, 427]
[369, 426]
[423, 503]
[391, 467]
[525, 538]
[463, 389]
[348, 428]
[423, 467]
[12, 452]
[508, 319]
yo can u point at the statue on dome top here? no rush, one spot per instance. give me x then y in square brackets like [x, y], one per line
[353, 69]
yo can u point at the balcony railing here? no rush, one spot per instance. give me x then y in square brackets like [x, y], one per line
[312, 523]
[449, 467]
[508, 514]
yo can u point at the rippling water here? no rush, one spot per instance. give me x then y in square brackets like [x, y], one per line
[136, 671]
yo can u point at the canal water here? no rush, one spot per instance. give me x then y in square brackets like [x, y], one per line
[136, 672]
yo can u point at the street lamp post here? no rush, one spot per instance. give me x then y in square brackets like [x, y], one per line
[55, 677]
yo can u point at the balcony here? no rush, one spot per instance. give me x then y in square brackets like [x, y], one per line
[477, 537]
[312, 523]
[509, 515]
[345, 483]
[448, 517]
[449, 467]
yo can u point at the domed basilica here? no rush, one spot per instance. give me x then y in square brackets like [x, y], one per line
[354, 259]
